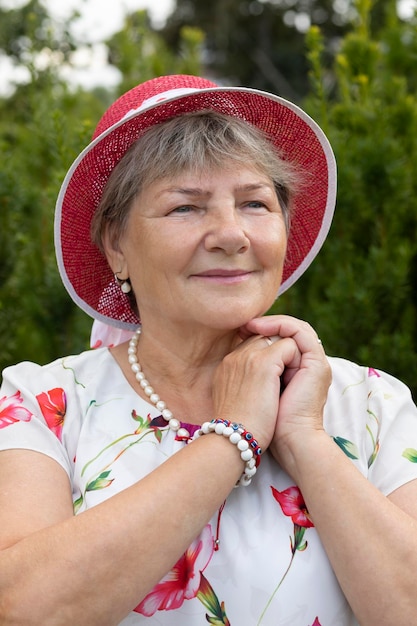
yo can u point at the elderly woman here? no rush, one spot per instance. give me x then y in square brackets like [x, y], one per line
[217, 467]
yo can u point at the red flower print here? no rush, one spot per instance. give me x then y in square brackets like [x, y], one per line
[53, 405]
[183, 581]
[11, 411]
[293, 505]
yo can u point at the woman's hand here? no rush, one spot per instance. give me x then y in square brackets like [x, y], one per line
[305, 379]
[246, 386]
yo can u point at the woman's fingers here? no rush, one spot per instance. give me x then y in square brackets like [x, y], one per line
[275, 353]
[306, 377]
[282, 326]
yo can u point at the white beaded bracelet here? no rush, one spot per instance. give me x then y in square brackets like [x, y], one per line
[250, 452]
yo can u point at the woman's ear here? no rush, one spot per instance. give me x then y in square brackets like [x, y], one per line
[114, 256]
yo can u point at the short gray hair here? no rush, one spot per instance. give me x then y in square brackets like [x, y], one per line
[190, 142]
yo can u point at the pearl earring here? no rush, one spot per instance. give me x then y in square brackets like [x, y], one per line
[124, 285]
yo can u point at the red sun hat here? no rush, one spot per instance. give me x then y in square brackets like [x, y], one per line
[84, 270]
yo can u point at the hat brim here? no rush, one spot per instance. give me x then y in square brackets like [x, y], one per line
[86, 273]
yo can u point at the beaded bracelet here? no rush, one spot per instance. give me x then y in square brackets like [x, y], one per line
[250, 451]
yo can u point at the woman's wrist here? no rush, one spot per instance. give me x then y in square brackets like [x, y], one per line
[298, 452]
[248, 447]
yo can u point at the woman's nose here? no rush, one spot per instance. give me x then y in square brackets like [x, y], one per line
[226, 232]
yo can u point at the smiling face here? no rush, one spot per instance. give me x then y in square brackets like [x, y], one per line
[204, 249]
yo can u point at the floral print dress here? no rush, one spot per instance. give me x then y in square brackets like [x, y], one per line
[259, 561]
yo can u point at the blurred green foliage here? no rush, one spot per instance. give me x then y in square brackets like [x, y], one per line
[259, 43]
[361, 292]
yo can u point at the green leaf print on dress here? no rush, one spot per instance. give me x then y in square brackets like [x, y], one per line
[410, 454]
[145, 428]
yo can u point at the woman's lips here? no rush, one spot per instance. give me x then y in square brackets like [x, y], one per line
[222, 276]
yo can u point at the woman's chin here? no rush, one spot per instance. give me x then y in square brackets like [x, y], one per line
[234, 319]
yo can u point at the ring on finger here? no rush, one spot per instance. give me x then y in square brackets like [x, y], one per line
[271, 340]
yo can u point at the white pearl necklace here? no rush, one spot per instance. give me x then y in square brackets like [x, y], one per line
[173, 423]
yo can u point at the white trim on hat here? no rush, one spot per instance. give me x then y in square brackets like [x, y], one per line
[171, 94]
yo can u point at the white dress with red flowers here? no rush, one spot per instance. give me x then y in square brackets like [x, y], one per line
[270, 568]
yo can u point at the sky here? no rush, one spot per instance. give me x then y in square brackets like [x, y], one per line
[99, 20]
[104, 16]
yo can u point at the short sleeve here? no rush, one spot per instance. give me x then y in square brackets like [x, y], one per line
[372, 417]
[394, 414]
[33, 409]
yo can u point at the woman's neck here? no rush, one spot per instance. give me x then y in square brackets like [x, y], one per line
[180, 367]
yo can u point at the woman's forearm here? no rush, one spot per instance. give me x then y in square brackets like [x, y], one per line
[371, 542]
[96, 567]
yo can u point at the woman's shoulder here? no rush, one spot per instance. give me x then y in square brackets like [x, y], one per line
[78, 369]
[352, 379]
[371, 415]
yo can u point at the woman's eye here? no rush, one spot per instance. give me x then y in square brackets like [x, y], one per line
[186, 208]
[256, 204]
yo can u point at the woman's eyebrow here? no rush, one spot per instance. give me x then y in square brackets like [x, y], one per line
[198, 191]
[188, 191]
[254, 186]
